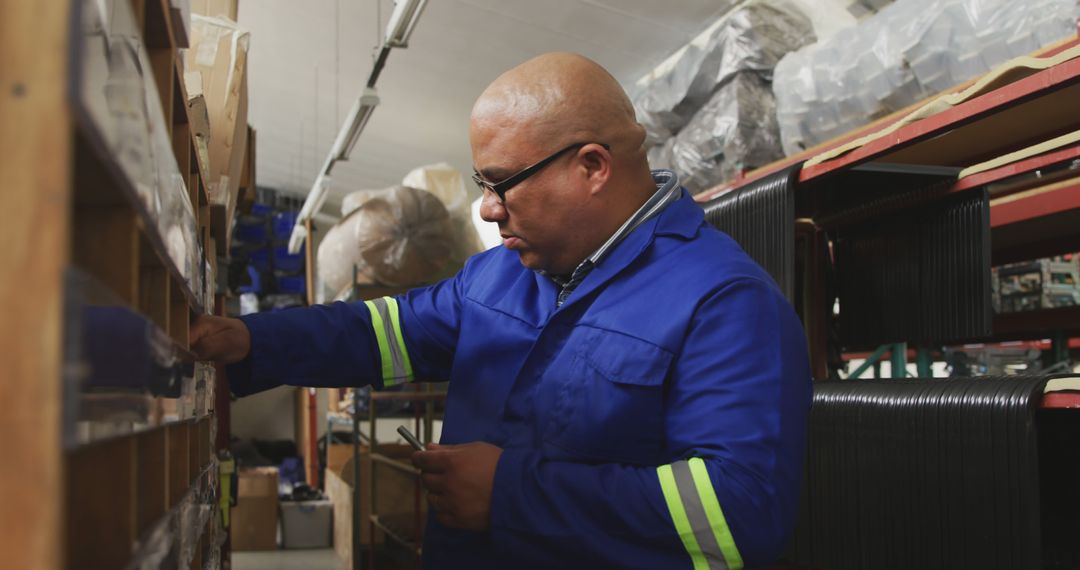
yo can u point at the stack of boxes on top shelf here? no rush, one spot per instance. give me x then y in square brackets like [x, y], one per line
[260, 245]
[216, 70]
[1046, 283]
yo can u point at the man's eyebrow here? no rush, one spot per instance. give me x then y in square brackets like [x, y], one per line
[494, 173]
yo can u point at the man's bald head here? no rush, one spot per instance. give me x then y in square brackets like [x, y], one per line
[563, 211]
[560, 98]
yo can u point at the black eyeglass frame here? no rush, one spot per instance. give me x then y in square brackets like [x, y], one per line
[500, 188]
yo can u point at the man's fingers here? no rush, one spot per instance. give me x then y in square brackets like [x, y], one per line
[436, 483]
[431, 461]
[445, 517]
[219, 339]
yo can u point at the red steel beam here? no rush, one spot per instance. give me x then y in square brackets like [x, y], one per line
[1036, 206]
[998, 100]
[1016, 168]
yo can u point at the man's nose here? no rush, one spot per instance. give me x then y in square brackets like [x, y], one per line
[491, 208]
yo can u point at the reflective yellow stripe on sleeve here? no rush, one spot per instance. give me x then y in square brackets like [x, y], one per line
[697, 516]
[385, 319]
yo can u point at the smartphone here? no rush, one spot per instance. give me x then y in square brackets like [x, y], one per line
[409, 437]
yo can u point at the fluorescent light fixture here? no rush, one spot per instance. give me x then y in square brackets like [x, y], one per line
[398, 29]
[314, 202]
[402, 21]
[354, 124]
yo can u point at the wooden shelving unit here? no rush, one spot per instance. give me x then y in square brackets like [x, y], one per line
[106, 466]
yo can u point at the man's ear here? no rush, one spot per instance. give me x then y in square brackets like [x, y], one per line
[596, 162]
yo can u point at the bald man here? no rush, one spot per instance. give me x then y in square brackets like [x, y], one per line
[627, 389]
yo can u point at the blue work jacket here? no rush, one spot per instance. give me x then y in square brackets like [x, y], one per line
[655, 420]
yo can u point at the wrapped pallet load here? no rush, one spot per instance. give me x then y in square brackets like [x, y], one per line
[399, 236]
[708, 111]
[448, 184]
[907, 52]
[735, 131]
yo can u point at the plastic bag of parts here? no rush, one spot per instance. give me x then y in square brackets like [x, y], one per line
[399, 236]
[735, 131]
[910, 50]
[448, 184]
[753, 37]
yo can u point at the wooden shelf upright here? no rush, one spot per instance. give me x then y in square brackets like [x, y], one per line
[106, 465]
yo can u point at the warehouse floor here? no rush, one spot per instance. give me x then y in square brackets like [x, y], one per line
[318, 559]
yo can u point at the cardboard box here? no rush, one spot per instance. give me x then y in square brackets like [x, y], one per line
[215, 8]
[255, 517]
[219, 53]
[306, 524]
[395, 490]
[180, 13]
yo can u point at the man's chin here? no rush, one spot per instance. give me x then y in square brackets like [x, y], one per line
[530, 261]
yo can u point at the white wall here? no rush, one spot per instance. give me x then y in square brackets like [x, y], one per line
[266, 415]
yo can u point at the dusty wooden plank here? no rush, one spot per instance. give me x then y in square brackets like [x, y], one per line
[100, 497]
[179, 320]
[154, 285]
[177, 462]
[35, 143]
[151, 497]
[105, 243]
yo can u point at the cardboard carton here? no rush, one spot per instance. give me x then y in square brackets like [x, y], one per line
[219, 54]
[215, 8]
[254, 519]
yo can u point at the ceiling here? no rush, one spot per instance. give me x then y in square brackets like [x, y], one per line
[309, 60]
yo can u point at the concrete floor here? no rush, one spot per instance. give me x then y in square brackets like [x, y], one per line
[316, 559]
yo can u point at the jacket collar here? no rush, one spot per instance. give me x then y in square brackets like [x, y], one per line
[682, 218]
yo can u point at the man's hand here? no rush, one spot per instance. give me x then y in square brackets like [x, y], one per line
[219, 339]
[459, 479]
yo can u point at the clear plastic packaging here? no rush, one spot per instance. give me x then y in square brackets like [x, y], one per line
[908, 51]
[119, 94]
[735, 131]
[753, 37]
[399, 236]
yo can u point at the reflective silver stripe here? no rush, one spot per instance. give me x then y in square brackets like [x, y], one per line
[396, 358]
[695, 512]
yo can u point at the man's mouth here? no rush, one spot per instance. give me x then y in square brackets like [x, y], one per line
[510, 241]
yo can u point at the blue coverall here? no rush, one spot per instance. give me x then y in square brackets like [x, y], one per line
[655, 420]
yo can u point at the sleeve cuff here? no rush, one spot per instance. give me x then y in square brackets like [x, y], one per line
[250, 375]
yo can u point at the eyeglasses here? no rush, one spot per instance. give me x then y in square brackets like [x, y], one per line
[500, 188]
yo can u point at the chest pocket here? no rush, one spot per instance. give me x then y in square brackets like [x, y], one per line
[608, 404]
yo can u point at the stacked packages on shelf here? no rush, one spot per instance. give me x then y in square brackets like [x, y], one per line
[216, 67]
[709, 111]
[1046, 283]
[910, 50]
